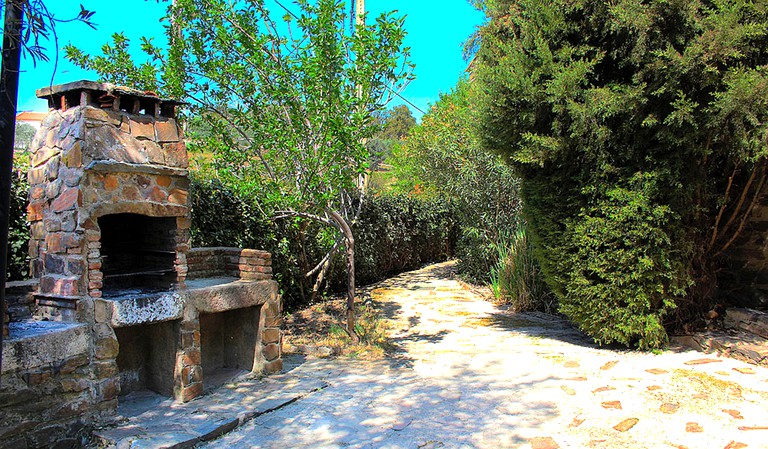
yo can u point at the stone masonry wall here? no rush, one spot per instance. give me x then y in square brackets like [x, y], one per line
[246, 264]
[48, 396]
[20, 300]
[250, 264]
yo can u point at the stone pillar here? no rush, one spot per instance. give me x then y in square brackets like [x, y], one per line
[248, 264]
[183, 225]
[104, 362]
[272, 336]
[188, 375]
[104, 366]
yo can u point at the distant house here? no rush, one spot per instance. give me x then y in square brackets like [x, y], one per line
[31, 118]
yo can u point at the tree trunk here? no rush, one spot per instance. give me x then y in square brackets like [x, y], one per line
[349, 245]
[9, 89]
[320, 279]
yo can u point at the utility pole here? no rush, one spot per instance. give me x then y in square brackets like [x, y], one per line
[9, 90]
[360, 12]
[346, 230]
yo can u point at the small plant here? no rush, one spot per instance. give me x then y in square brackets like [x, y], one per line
[516, 277]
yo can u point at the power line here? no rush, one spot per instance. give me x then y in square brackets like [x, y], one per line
[287, 10]
[406, 100]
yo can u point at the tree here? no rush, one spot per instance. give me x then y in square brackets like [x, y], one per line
[24, 134]
[289, 104]
[38, 24]
[395, 124]
[118, 62]
[638, 128]
[9, 88]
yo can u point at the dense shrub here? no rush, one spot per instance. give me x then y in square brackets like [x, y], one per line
[222, 218]
[18, 235]
[396, 233]
[638, 128]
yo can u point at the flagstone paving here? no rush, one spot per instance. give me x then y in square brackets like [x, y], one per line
[471, 375]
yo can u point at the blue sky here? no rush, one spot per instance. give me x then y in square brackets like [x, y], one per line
[436, 30]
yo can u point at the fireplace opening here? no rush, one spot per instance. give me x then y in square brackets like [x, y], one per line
[137, 253]
[229, 342]
[147, 356]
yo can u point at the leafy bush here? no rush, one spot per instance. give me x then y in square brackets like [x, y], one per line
[638, 128]
[222, 218]
[516, 278]
[442, 158]
[476, 253]
[18, 235]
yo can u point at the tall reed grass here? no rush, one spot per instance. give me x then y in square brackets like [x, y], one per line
[516, 278]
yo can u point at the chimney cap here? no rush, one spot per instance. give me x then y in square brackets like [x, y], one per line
[92, 86]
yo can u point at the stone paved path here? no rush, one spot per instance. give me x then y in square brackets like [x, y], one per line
[471, 375]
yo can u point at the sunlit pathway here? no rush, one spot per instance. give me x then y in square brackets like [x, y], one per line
[471, 375]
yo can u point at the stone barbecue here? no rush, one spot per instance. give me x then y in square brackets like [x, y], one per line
[108, 197]
[122, 300]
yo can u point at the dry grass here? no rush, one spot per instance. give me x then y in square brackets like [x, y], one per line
[317, 330]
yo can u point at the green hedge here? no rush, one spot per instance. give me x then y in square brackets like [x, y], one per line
[394, 233]
[397, 233]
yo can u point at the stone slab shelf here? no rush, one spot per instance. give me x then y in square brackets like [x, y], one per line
[207, 295]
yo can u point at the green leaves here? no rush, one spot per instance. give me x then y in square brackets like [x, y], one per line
[442, 158]
[297, 103]
[18, 237]
[117, 64]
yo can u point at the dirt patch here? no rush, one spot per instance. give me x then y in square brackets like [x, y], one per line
[317, 330]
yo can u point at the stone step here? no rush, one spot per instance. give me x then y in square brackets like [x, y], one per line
[748, 320]
[734, 343]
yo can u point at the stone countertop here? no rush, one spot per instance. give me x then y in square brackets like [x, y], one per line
[34, 328]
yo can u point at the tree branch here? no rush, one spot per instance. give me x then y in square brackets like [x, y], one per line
[327, 257]
[742, 198]
[746, 215]
[722, 208]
